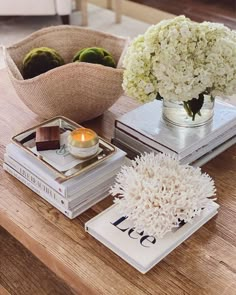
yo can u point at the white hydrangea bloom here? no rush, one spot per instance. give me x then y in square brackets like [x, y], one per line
[179, 59]
[157, 193]
[138, 78]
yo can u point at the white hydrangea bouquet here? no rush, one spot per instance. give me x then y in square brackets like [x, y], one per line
[158, 194]
[181, 60]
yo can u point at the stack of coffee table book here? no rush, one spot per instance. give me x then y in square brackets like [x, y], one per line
[84, 183]
[143, 130]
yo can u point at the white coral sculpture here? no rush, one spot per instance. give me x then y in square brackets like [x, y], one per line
[157, 193]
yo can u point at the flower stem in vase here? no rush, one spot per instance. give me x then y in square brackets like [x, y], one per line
[187, 109]
[194, 106]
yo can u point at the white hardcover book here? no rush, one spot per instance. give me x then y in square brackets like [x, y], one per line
[100, 194]
[70, 186]
[66, 203]
[146, 124]
[138, 248]
[35, 181]
[132, 152]
[215, 152]
[133, 142]
[106, 185]
[227, 137]
[142, 147]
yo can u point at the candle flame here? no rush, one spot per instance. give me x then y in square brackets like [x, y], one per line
[82, 137]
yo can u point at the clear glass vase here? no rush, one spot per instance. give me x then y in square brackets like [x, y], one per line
[179, 113]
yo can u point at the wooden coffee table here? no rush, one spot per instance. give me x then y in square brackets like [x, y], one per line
[204, 264]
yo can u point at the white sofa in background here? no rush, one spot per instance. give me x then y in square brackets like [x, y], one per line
[34, 7]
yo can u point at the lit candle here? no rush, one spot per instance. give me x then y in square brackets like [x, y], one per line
[83, 143]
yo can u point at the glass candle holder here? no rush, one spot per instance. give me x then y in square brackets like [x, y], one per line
[83, 143]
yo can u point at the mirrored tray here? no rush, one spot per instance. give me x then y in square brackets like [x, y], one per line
[61, 161]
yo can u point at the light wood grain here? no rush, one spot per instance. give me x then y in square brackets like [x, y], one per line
[82, 5]
[84, 12]
[138, 11]
[21, 273]
[3, 291]
[204, 264]
[118, 10]
[117, 5]
[109, 4]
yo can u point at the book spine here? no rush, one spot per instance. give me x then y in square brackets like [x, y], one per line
[131, 153]
[12, 152]
[94, 199]
[133, 142]
[73, 200]
[145, 140]
[210, 138]
[35, 189]
[106, 184]
[209, 147]
[43, 187]
[215, 152]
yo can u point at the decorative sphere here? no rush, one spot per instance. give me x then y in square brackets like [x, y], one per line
[40, 60]
[95, 55]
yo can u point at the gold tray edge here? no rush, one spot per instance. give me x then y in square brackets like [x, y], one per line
[64, 178]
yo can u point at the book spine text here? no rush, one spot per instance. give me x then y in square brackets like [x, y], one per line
[30, 165]
[35, 189]
[37, 182]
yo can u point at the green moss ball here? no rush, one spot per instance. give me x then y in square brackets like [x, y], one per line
[40, 60]
[95, 55]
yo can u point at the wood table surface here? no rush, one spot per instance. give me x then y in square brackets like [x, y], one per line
[203, 264]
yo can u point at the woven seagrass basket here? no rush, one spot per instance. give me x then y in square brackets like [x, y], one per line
[79, 91]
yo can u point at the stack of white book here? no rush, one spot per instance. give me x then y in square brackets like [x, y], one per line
[70, 196]
[143, 130]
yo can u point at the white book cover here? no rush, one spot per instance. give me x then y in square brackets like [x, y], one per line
[71, 186]
[145, 123]
[138, 248]
[95, 197]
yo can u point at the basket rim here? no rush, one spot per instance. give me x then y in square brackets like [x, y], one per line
[72, 65]
[62, 28]
[51, 29]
